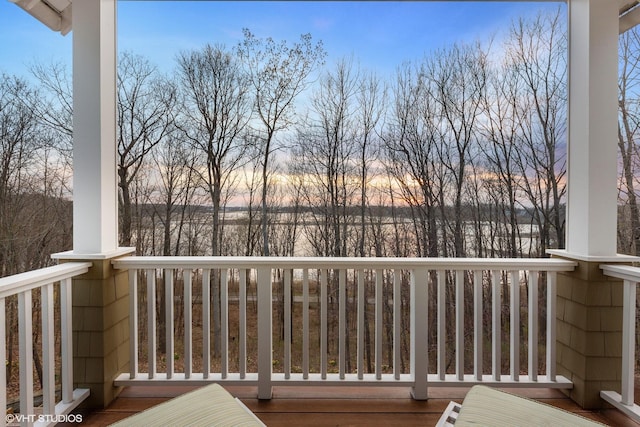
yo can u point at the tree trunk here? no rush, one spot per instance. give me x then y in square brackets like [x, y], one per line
[125, 206]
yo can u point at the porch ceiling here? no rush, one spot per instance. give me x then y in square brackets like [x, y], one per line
[629, 15]
[56, 14]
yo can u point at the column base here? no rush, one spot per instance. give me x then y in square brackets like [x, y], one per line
[100, 326]
[589, 328]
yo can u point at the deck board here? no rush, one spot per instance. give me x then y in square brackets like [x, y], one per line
[338, 406]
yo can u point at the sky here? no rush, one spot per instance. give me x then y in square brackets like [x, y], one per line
[379, 35]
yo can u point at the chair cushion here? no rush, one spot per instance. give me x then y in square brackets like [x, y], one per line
[211, 405]
[484, 406]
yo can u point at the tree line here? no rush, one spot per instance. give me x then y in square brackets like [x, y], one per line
[460, 153]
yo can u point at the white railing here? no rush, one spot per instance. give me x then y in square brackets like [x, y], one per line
[624, 400]
[22, 286]
[441, 293]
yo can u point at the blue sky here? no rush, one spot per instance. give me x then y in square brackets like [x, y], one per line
[380, 35]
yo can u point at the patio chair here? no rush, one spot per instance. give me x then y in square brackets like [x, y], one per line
[210, 405]
[485, 406]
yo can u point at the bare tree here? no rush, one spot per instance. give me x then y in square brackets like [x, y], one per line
[278, 73]
[410, 145]
[216, 113]
[55, 106]
[146, 105]
[628, 132]
[174, 160]
[537, 51]
[371, 106]
[18, 144]
[252, 194]
[326, 151]
[457, 79]
[500, 130]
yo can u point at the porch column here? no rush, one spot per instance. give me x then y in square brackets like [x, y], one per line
[593, 124]
[95, 202]
[100, 297]
[589, 305]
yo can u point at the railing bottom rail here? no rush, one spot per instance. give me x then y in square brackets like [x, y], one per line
[349, 380]
[615, 399]
[62, 408]
[179, 379]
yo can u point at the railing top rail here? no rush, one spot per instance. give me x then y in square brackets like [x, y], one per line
[624, 272]
[21, 282]
[509, 264]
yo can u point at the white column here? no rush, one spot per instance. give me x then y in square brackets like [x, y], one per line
[95, 213]
[593, 109]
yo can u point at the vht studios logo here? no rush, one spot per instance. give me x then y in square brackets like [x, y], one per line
[42, 418]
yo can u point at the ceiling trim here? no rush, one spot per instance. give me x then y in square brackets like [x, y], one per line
[629, 16]
[57, 19]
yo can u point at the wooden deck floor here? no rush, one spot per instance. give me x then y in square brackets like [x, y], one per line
[332, 406]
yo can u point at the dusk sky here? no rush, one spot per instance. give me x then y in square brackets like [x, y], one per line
[379, 35]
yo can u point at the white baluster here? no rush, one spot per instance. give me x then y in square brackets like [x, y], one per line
[628, 341]
[496, 325]
[551, 325]
[151, 320]
[3, 356]
[305, 324]
[287, 323]
[379, 330]
[362, 307]
[206, 323]
[224, 323]
[48, 350]
[187, 275]
[514, 326]
[397, 322]
[66, 339]
[168, 318]
[442, 325]
[242, 351]
[459, 325]
[133, 323]
[323, 323]
[477, 325]
[25, 338]
[342, 321]
[533, 326]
